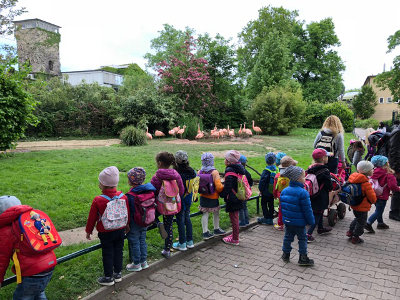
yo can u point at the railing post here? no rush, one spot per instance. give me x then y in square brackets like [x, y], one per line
[258, 205]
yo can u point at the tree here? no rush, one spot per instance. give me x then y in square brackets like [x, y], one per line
[16, 105]
[254, 34]
[272, 64]
[188, 78]
[317, 66]
[342, 111]
[391, 79]
[279, 109]
[7, 14]
[167, 44]
[365, 102]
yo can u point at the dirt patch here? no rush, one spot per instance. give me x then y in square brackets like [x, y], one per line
[60, 145]
[233, 141]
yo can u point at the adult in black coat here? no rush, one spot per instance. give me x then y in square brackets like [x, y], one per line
[394, 162]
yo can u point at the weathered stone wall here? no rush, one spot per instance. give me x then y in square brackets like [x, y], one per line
[39, 46]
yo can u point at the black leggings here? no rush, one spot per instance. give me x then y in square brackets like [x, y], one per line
[168, 228]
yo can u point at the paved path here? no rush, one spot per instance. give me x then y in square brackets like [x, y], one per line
[253, 270]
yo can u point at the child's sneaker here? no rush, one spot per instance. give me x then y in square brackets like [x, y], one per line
[305, 261]
[324, 230]
[242, 224]
[219, 231]
[349, 233]
[382, 226]
[285, 257]
[278, 227]
[144, 265]
[264, 221]
[105, 281]
[356, 240]
[190, 244]
[229, 240]
[180, 247]
[310, 238]
[166, 254]
[118, 277]
[134, 268]
[162, 231]
[368, 227]
[207, 235]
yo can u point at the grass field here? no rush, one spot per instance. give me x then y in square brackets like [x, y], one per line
[64, 182]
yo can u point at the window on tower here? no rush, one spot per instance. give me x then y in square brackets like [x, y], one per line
[51, 65]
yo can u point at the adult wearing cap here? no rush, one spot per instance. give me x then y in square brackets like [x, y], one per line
[331, 139]
[394, 162]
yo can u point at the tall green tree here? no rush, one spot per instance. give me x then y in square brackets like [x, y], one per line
[167, 44]
[391, 79]
[365, 102]
[318, 67]
[8, 12]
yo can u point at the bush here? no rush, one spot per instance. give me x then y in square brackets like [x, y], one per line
[132, 136]
[191, 126]
[315, 115]
[278, 110]
[367, 123]
[342, 111]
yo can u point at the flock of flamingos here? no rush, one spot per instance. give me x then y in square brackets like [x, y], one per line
[214, 133]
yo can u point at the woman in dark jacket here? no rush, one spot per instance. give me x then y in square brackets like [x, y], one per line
[394, 162]
[233, 204]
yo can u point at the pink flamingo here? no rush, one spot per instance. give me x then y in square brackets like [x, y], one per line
[240, 130]
[159, 133]
[200, 135]
[215, 134]
[176, 129]
[198, 128]
[246, 131]
[231, 132]
[256, 129]
[149, 136]
[172, 132]
[214, 130]
[181, 131]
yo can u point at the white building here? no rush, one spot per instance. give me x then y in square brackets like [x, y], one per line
[103, 78]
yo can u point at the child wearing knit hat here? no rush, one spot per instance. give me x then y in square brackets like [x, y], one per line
[266, 190]
[112, 241]
[360, 211]
[384, 183]
[136, 235]
[296, 214]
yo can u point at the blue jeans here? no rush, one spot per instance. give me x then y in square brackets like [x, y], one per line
[32, 288]
[318, 221]
[185, 227]
[244, 213]
[290, 233]
[377, 215]
[137, 243]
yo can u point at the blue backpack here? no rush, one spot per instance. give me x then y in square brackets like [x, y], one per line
[351, 194]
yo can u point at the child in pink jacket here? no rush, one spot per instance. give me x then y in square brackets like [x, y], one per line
[388, 181]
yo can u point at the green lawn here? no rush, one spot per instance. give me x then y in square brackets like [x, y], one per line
[64, 182]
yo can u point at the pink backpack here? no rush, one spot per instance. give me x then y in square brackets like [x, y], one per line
[145, 208]
[168, 200]
[244, 190]
[377, 187]
[115, 215]
[311, 184]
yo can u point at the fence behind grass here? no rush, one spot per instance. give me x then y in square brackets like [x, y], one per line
[98, 246]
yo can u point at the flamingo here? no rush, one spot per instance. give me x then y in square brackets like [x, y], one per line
[215, 134]
[198, 128]
[246, 131]
[214, 130]
[221, 133]
[159, 133]
[200, 135]
[240, 130]
[149, 136]
[231, 132]
[181, 131]
[176, 129]
[172, 132]
[256, 129]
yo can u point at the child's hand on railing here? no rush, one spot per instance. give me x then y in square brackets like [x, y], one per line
[88, 236]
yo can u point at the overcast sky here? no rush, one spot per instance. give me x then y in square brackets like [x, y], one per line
[97, 32]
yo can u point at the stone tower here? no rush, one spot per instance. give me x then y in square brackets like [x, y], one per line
[38, 42]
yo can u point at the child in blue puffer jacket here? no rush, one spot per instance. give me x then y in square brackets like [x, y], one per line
[296, 214]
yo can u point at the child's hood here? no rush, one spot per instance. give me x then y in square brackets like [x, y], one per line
[11, 214]
[167, 174]
[379, 173]
[314, 168]
[358, 178]
[148, 187]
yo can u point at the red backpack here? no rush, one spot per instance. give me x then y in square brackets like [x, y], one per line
[38, 235]
[145, 208]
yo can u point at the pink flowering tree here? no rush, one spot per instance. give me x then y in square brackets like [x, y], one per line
[188, 78]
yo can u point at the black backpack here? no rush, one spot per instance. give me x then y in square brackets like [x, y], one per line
[325, 142]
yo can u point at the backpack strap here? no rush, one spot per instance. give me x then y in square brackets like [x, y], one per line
[235, 175]
[113, 198]
[17, 266]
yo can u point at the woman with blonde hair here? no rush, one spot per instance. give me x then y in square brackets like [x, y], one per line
[331, 139]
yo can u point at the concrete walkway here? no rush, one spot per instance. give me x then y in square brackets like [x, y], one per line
[253, 270]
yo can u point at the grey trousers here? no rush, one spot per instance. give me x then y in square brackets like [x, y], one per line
[357, 226]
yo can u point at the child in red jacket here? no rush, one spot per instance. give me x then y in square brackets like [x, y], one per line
[112, 241]
[36, 270]
[384, 175]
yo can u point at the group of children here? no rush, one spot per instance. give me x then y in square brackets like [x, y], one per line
[282, 179]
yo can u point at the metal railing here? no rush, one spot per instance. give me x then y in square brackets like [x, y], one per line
[98, 246]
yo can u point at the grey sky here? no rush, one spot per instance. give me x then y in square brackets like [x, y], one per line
[98, 32]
